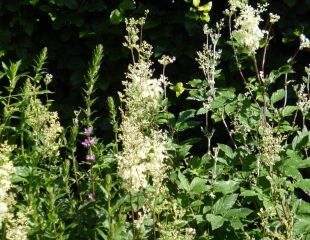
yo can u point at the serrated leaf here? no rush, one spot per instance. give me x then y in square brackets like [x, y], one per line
[248, 193]
[303, 184]
[292, 171]
[288, 110]
[226, 187]
[201, 111]
[224, 203]
[185, 115]
[238, 213]
[227, 150]
[230, 108]
[302, 226]
[218, 102]
[216, 221]
[300, 141]
[184, 184]
[195, 83]
[236, 224]
[180, 127]
[277, 96]
[198, 185]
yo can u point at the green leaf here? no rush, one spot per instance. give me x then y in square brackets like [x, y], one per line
[302, 226]
[218, 102]
[216, 221]
[227, 150]
[288, 110]
[238, 213]
[206, 7]
[72, 4]
[127, 5]
[182, 126]
[277, 96]
[230, 107]
[224, 203]
[116, 16]
[300, 141]
[196, 3]
[303, 184]
[184, 184]
[185, 115]
[275, 74]
[248, 193]
[178, 88]
[198, 185]
[195, 83]
[226, 187]
[236, 224]
[205, 17]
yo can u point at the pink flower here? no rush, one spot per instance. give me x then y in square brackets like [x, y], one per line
[91, 197]
[88, 142]
[88, 131]
[90, 157]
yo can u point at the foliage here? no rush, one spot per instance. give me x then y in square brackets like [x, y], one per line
[231, 164]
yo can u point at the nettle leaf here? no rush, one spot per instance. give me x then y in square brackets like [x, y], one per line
[300, 140]
[227, 150]
[275, 74]
[195, 83]
[184, 184]
[218, 102]
[302, 226]
[303, 184]
[238, 213]
[185, 115]
[277, 96]
[182, 126]
[183, 123]
[230, 107]
[226, 187]
[183, 151]
[198, 185]
[288, 110]
[236, 224]
[216, 221]
[224, 204]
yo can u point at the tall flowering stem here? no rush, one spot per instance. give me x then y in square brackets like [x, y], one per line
[88, 142]
[142, 161]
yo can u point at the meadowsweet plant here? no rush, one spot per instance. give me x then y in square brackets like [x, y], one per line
[143, 160]
[232, 164]
[249, 179]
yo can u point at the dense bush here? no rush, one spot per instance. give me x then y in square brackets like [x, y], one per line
[223, 154]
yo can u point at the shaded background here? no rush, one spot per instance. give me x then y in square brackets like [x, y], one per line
[70, 29]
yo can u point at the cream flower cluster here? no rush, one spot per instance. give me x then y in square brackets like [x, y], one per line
[16, 224]
[6, 172]
[271, 146]
[45, 124]
[247, 33]
[142, 160]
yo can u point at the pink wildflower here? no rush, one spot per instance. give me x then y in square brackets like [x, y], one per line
[91, 197]
[88, 142]
[88, 131]
[90, 157]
